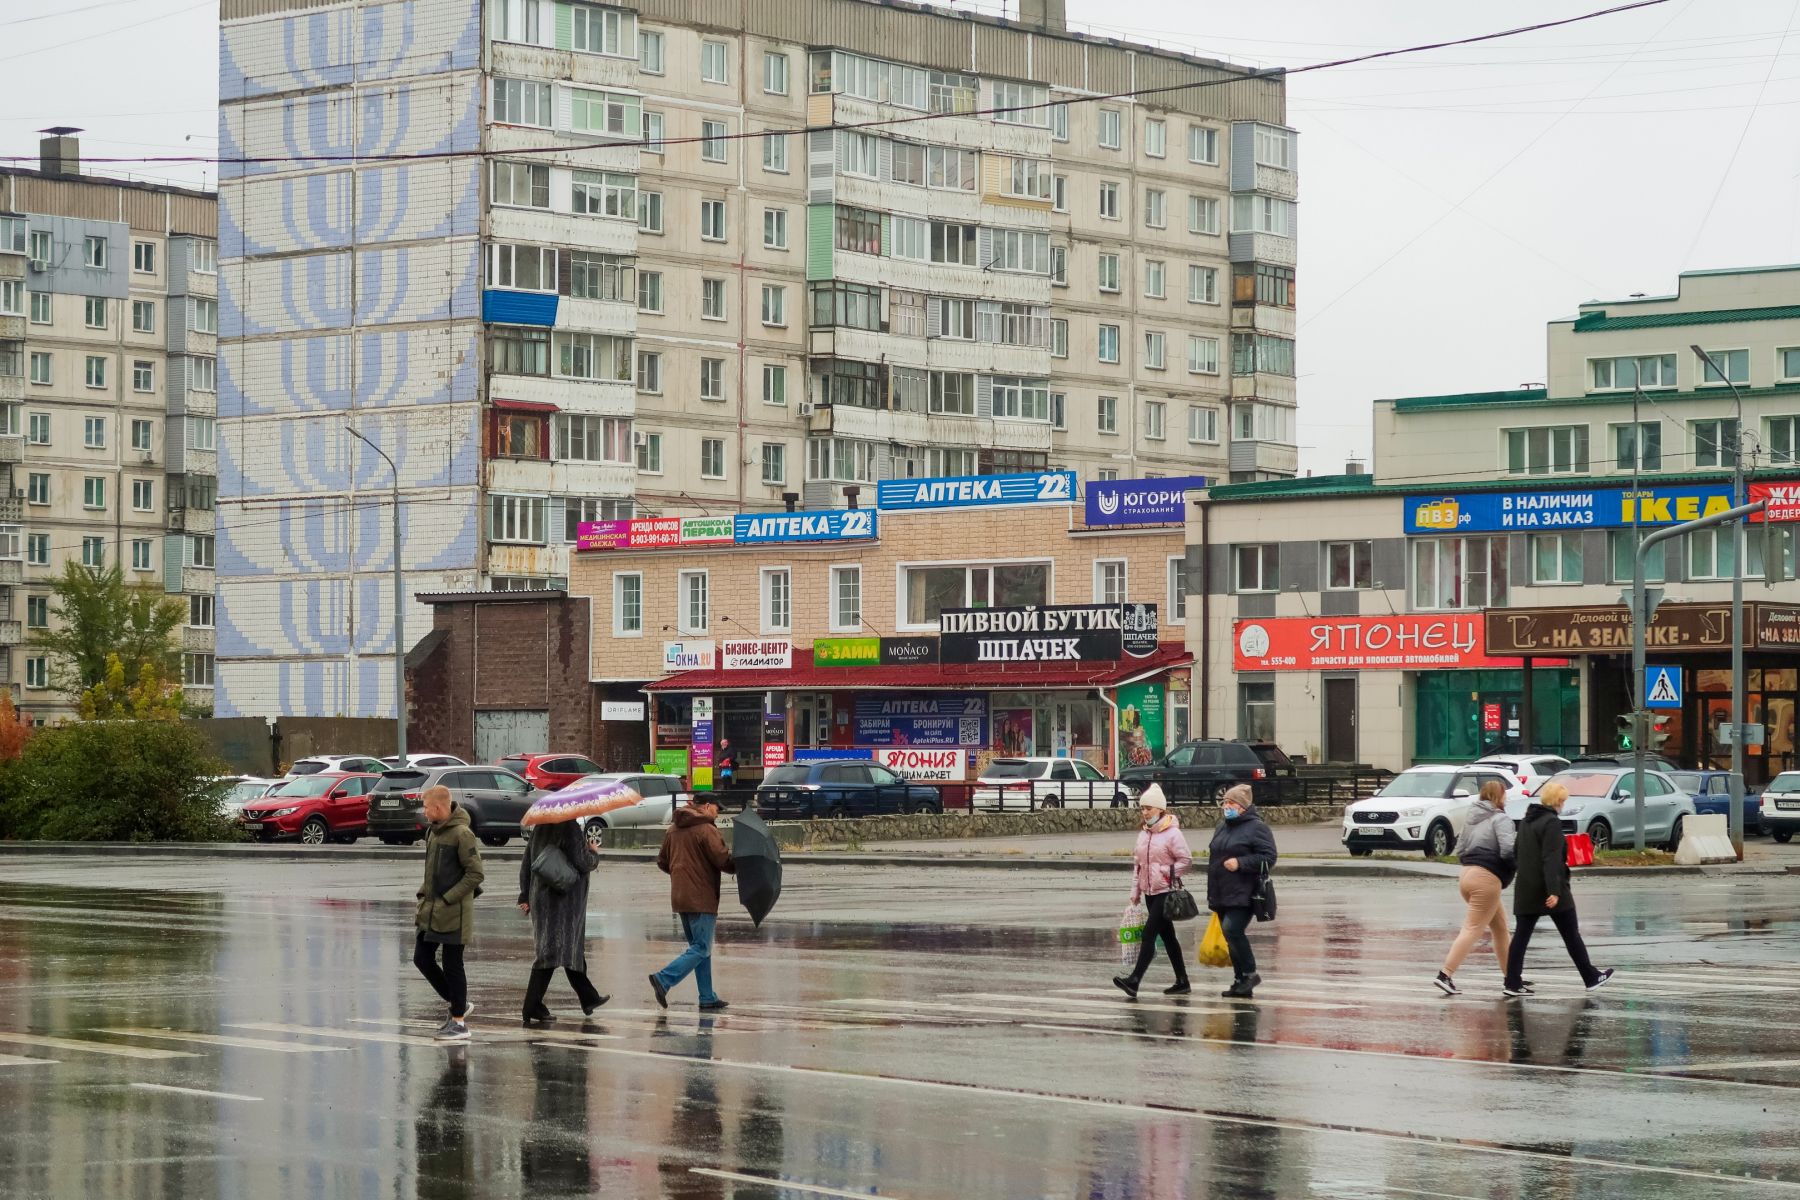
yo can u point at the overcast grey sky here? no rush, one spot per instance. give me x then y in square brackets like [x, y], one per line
[1451, 203]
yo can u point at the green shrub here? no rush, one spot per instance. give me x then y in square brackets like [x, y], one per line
[137, 781]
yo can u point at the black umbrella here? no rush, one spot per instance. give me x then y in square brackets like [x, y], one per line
[758, 861]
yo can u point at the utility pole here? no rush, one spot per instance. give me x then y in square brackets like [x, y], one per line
[399, 608]
[1737, 608]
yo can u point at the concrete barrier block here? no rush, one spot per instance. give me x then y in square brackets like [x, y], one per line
[1704, 839]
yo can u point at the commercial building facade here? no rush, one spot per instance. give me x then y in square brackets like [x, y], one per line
[578, 264]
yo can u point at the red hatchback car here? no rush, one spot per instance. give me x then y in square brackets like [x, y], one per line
[328, 807]
[551, 772]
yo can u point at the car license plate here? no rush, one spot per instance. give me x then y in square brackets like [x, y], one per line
[1787, 805]
[1365, 831]
[253, 826]
[390, 802]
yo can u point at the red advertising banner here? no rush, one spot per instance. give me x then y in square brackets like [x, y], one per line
[1408, 642]
[774, 754]
[1783, 500]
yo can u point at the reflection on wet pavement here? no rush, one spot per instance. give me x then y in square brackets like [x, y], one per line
[257, 1030]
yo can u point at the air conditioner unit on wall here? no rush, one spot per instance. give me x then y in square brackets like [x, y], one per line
[639, 438]
[807, 408]
[40, 265]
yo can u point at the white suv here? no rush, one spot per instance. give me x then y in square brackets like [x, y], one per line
[1531, 770]
[1422, 808]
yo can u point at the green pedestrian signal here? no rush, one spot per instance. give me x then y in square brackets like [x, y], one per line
[1627, 725]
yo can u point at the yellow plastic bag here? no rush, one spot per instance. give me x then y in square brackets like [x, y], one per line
[1213, 950]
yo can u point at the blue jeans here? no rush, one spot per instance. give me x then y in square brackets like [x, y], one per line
[1233, 922]
[696, 959]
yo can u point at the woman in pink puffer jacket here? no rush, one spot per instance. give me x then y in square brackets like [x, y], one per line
[1161, 858]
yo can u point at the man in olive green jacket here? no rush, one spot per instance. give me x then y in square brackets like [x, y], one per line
[446, 915]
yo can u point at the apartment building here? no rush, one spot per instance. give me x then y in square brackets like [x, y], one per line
[576, 262]
[1466, 595]
[108, 315]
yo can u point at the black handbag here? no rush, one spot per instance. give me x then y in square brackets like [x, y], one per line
[1262, 900]
[1179, 903]
[553, 867]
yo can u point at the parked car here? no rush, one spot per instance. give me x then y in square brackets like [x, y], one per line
[423, 760]
[1197, 771]
[1600, 805]
[496, 801]
[331, 806]
[1622, 758]
[241, 789]
[1529, 769]
[1422, 808]
[1711, 791]
[841, 789]
[320, 763]
[551, 772]
[662, 795]
[1046, 783]
[1779, 813]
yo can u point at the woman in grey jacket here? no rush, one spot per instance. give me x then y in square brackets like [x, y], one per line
[1486, 851]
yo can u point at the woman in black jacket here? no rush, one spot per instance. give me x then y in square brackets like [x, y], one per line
[1242, 849]
[1542, 889]
[558, 919]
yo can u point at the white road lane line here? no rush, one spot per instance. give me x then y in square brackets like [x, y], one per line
[13, 1060]
[1741, 1064]
[46, 1042]
[1164, 1112]
[782, 1184]
[219, 1039]
[1118, 1001]
[365, 1035]
[520, 1035]
[185, 1091]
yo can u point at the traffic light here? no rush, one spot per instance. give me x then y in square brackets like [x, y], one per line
[1657, 733]
[1627, 727]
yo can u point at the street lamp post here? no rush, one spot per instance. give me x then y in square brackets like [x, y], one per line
[399, 608]
[1737, 610]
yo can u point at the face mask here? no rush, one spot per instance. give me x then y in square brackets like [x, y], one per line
[1232, 814]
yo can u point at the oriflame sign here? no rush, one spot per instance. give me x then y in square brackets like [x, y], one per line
[1393, 643]
[921, 762]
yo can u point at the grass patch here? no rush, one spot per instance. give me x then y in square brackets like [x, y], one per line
[1634, 858]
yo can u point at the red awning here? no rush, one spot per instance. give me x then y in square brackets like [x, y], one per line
[530, 406]
[930, 677]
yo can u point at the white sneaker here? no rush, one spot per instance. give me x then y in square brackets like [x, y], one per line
[451, 1031]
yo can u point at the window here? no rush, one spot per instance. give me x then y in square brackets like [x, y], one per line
[1715, 442]
[1459, 573]
[140, 435]
[1203, 424]
[650, 291]
[1059, 122]
[712, 220]
[846, 598]
[140, 554]
[906, 162]
[1783, 440]
[37, 488]
[1021, 104]
[1203, 355]
[1020, 250]
[656, 131]
[1256, 213]
[1156, 208]
[1259, 283]
[1109, 201]
[523, 102]
[1203, 285]
[37, 672]
[599, 277]
[1107, 414]
[840, 460]
[1203, 144]
[1255, 567]
[1547, 450]
[13, 234]
[12, 297]
[1059, 193]
[593, 356]
[604, 30]
[952, 244]
[1622, 374]
[94, 252]
[649, 454]
[93, 433]
[143, 495]
[1789, 360]
[1109, 344]
[952, 392]
[606, 194]
[1638, 446]
[518, 519]
[774, 305]
[37, 545]
[529, 21]
[1154, 424]
[1107, 272]
[1274, 147]
[1178, 589]
[93, 552]
[775, 229]
[516, 351]
[96, 371]
[1261, 353]
[593, 439]
[1156, 138]
[197, 670]
[950, 168]
[714, 62]
[1021, 399]
[94, 311]
[1555, 557]
[628, 603]
[1263, 422]
[712, 458]
[143, 257]
[522, 268]
[1155, 274]
[521, 185]
[1109, 135]
[929, 590]
[1621, 554]
[775, 73]
[1735, 364]
[774, 146]
[777, 600]
[1712, 554]
[143, 316]
[1059, 410]
[200, 612]
[694, 616]
[518, 435]
[37, 612]
[205, 316]
[650, 52]
[37, 427]
[42, 307]
[1059, 337]
[712, 141]
[40, 368]
[1349, 566]
[650, 212]
[1155, 350]
[712, 299]
[774, 384]
[1027, 178]
[1256, 711]
[712, 379]
[204, 256]
[1109, 581]
[774, 463]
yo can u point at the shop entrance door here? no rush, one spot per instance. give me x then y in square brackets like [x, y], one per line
[1340, 720]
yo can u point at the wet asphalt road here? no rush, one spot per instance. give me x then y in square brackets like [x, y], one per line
[231, 1029]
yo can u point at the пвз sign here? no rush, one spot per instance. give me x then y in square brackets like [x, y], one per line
[967, 491]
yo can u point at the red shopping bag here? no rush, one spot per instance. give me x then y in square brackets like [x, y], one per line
[1581, 850]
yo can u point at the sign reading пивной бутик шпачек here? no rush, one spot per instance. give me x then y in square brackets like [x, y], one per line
[1047, 633]
[1595, 508]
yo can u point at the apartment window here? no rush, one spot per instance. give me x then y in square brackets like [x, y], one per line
[37, 488]
[1255, 213]
[140, 435]
[93, 433]
[950, 168]
[1203, 215]
[1156, 138]
[1106, 414]
[1203, 145]
[1028, 178]
[593, 439]
[143, 316]
[205, 316]
[528, 21]
[656, 131]
[143, 495]
[906, 162]
[1108, 346]
[712, 299]
[1203, 424]
[650, 291]
[777, 600]
[1459, 573]
[140, 554]
[712, 141]
[94, 252]
[1156, 208]
[1555, 558]
[522, 268]
[520, 520]
[1021, 399]
[909, 237]
[95, 312]
[37, 545]
[846, 598]
[197, 669]
[37, 426]
[1109, 581]
[96, 371]
[143, 258]
[1059, 193]
[521, 185]
[1349, 566]
[775, 233]
[1155, 412]
[1059, 122]
[1638, 447]
[1155, 350]
[1021, 103]
[1783, 440]
[1107, 272]
[714, 62]
[200, 612]
[774, 305]
[775, 73]
[1020, 250]
[37, 612]
[1712, 554]
[1109, 125]
[1622, 374]
[606, 194]
[203, 255]
[1715, 442]
[953, 393]
[694, 614]
[598, 277]
[1621, 556]
[1059, 410]
[1734, 363]
[650, 52]
[929, 590]
[650, 212]
[712, 220]
[774, 384]
[774, 463]
[13, 234]
[593, 356]
[603, 30]
[1059, 337]
[1178, 589]
[775, 157]
[712, 458]
[42, 307]
[37, 671]
[1789, 359]
[712, 379]
[40, 368]
[951, 244]
[518, 435]
[1203, 355]
[523, 102]
[1255, 567]
[1547, 450]
[649, 453]
[516, 351]
[840, 460]
[93, 552]
[1274, 147]
[628, 603]
[1155, 279]
[1109, 201]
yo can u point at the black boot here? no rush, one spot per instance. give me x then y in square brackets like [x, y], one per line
[1179, 988]
[1126, 984]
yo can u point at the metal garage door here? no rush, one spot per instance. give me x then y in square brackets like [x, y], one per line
[499, 733]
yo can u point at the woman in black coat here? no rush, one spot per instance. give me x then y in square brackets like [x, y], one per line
[1242, 848]
[558, 919]
[1542, 889]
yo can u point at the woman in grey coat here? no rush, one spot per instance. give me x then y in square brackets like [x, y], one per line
[558, 919]
[1489, 859]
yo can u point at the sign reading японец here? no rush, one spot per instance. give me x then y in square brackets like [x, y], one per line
[1592, 508]
[1416, 641]
[1048, 633]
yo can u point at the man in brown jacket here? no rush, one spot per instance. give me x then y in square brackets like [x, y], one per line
[693, 855]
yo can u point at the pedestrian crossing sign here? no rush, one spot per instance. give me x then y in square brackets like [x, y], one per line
[1662, 687]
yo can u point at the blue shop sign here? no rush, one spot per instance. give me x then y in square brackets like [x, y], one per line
[1140, 501]
[932, 719]
[1596, 508]
[836, 525]
[970, 491]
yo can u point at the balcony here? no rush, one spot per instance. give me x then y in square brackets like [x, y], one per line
[586, 70]
[557, 477]
[193, 520]
[870, 424]
[597, 316]
[200, 284]
[12, 571]
[197, 697]
[12, 387]
[12, 329]
[197, 641]
[197, 580]
[1264, 318]
[185, 460]
[12, 266]
[581, 153]
[12, 632]
[606, 235]
[12, 448]
[12, 508]
[614, 398]
[1263, 459]
[1260, 247]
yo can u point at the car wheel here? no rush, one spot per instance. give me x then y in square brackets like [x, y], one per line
[1675, 835]
[1359, 851]
[927, 807]
[395, 841]
[1119, 800]
[1438, 841]
[1784, 836]
[835, 813]
[1600, 833]
[596, 834]
[314, 832]
[494, 839]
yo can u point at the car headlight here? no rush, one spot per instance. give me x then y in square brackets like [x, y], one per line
[285, 812]
[1571, 810]
[1418, 810]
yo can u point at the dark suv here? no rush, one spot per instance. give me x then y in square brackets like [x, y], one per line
[1196, 772]
[841, 789]
[495, 798]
